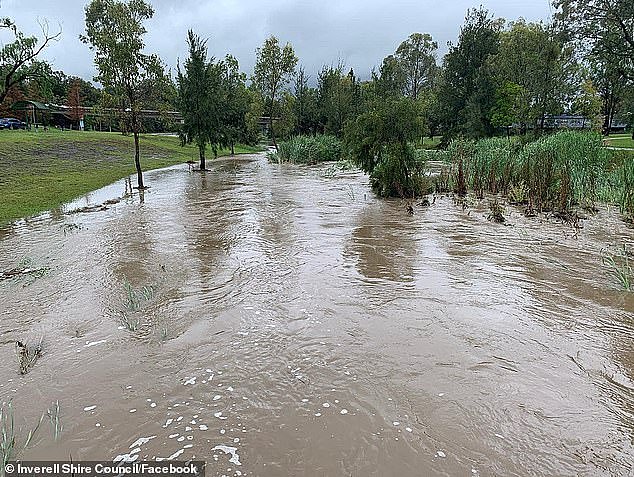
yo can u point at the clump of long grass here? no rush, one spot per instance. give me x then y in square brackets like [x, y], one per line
[620, 268]
[136, 298]
[310, 149]
[554, 172]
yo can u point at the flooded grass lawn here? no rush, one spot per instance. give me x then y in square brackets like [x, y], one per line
[280, 320]
[42, 170]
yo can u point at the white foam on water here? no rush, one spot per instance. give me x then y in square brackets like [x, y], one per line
[190, 381]
[317, 414]
[93, 343]
[181, 439]
[141, 440]
[153, 404]
[90, 408]
[132, 410]
[202, 427]
[230, 388]
[187, 429]
[188, 446]
[343, 411]
[235, 459]
[304, 400]
[219, 415]
[326, 404]
[172, 436]
[217, 396]
[396, 423]
[441, 454]
[168, 422]
[408, 429]
[129, 457]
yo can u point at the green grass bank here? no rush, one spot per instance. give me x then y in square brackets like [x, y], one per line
[41, 170]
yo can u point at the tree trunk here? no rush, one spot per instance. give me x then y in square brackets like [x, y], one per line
[201, 152]
[137, 161]
[271, 128]
[232, 149]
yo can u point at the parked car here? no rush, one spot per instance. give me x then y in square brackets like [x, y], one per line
[11, 123]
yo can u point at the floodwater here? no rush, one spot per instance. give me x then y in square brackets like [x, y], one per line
[294, 325]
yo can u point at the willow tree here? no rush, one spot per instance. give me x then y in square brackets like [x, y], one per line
[114, 31]
[274, 67]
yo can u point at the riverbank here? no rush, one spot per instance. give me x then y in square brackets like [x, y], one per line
[42, 170]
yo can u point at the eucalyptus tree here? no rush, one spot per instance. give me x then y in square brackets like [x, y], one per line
[114, 31]
[274, 67]
[19, 58]
[198, 94]
[416, 57]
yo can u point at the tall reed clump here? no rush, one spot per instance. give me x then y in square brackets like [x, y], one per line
[310, 149]
[563, 170]
[492, 166]
[552, 173]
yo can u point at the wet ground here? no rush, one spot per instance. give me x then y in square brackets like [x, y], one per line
[275, 321]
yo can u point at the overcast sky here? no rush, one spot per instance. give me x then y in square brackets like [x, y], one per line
[358, 32]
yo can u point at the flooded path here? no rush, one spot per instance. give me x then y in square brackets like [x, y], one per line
[279, 322]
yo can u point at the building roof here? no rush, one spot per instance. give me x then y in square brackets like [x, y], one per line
[21, 105]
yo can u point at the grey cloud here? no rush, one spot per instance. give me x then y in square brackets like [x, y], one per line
[359, 33]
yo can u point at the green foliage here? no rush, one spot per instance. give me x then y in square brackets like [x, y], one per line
[310, 149]
[18, 58]
[530, 70]
[273, 69]
[619, 265]
[114, 31]
[467, 88]
[199, 92]
[378, 142]
[416, 56]
[555, 172]
[338, 97]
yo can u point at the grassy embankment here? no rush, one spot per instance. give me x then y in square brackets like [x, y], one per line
[621, 140]
[42, 170]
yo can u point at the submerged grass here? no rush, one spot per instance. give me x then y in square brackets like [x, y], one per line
[42, 170]
[619, 266]
[554, 173]
[11, 443]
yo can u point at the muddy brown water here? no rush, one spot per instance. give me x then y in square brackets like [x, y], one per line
[319, 331]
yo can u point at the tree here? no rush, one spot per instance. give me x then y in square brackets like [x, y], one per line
[18, 59]
[274, 67]
[467, 88]
[532, 58]
[378, 142]
[199, 95]
[603, 27]
[305, 106]
[74, 102]
[588, 103]
[417, 59]
[235, 103]
[114, 31]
